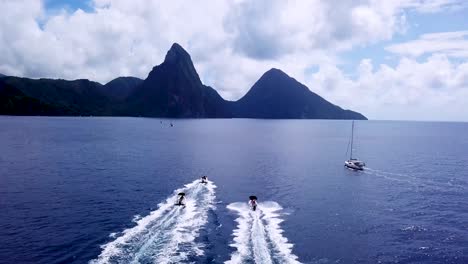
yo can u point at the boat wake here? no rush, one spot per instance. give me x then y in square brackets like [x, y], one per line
[166, 235]
[259, 237]
[420, 182]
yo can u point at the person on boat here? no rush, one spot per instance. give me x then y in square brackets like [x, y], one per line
[204, 179]
[181, 199]
[253, 202]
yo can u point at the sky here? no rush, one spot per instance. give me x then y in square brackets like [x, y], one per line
[388, 59]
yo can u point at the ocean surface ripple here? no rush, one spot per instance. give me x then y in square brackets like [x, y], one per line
[101, 190]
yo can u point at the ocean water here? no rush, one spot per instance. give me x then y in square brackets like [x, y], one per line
[101, 190]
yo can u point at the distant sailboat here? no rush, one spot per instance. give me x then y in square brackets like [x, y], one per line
[352, 163]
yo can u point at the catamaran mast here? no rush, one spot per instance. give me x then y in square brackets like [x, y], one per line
[352, 138]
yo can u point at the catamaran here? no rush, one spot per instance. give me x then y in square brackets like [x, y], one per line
[352, 163]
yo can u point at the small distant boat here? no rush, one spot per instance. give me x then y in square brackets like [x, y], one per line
[353, 163]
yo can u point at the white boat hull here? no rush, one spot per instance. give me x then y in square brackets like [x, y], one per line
[353, 165]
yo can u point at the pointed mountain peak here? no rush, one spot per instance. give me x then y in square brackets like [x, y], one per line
[177, 53]
[177, 46]
[177, 61]
[275, 71]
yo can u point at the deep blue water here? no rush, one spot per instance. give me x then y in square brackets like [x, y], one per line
[71, 185]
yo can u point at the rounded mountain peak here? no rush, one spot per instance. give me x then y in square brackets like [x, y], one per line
[274, 73]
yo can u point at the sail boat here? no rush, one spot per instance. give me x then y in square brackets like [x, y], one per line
[354, 164]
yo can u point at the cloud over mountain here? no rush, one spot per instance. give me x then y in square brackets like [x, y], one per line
[233, 42]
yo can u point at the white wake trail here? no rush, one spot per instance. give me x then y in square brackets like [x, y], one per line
[166, 235]
[258, 237]
[413, 180]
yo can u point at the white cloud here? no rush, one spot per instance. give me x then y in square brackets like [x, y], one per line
[231, 42]
[432, 6]
[435, 89]
[453, 44]
[275, 28]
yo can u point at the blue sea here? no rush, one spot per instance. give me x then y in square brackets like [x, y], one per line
[102, 190]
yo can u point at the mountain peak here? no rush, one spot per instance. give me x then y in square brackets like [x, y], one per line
[276, 83]
[275, 73]
[174, 89]
[177, 53]
[279, 80]
[277, 95]
[178, 58]
[176, 46]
